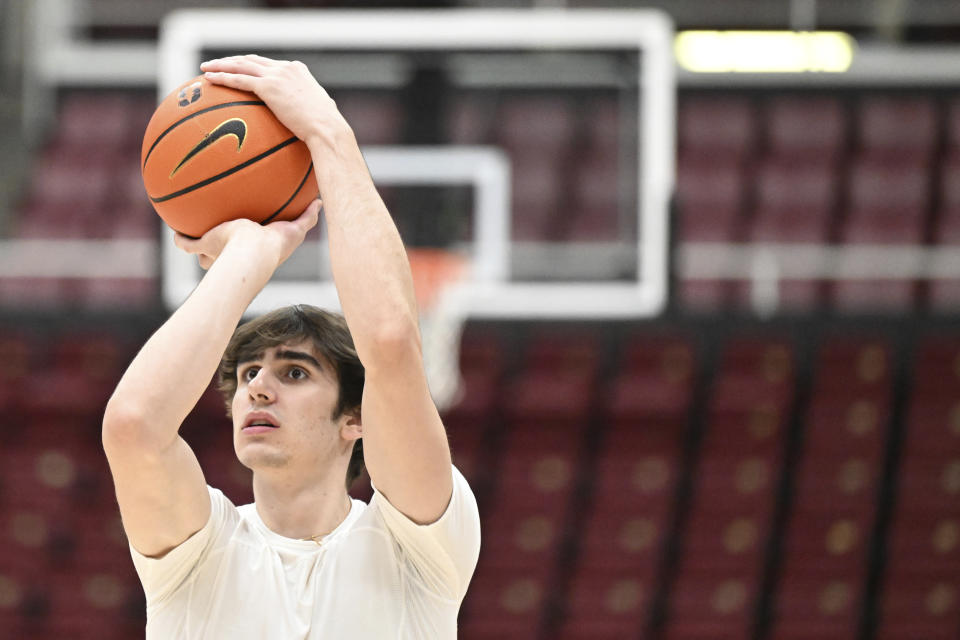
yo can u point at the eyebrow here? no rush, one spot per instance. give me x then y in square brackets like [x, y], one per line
[299, 355]
[288, 354]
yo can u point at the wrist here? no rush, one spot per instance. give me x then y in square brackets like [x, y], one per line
[255, 246]
[329, 138]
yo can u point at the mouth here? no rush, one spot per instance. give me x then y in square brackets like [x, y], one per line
[259, 423]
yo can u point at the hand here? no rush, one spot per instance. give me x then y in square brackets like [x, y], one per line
[288, 89]
[279, 238]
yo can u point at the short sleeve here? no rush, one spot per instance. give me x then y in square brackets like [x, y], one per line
[443, 554]
[161, 577]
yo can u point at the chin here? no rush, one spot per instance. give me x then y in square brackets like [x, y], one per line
[255, 458]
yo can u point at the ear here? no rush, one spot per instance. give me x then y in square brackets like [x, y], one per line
[351, 425]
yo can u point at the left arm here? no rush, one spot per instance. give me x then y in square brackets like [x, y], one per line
[404, 441]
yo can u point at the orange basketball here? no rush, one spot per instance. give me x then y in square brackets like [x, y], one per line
[212, 154]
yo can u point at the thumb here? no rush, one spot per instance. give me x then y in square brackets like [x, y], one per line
[308, 219]
[186, 243]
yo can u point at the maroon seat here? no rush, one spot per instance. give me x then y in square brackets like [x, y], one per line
[925, 604]
[862, 362]
[828, 541]
[944, 294]
[706, 604]
[884, 191]
[606, 604]
[794, 202]
[730, 516]
[628, 541]
[653, 380]
[717, 128]
[727, 542]
[469, 120]
[562, 350]
[814, 128]
[535, 194]
[880, 125]
[602, 125]
[95, 604]
[888, 204]
[846, 482]
[736, 485]
[835, 427]
[637, 474]
[599, 198]
[544, 125]
[709, 199]
[504, 603]
[812, 607]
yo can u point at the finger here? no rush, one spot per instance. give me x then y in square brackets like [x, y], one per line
[235, 65]
[268, 62]
[232, 80]
[186, 243]
[308, 219]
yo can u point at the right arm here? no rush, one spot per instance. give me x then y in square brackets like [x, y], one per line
[160, 487]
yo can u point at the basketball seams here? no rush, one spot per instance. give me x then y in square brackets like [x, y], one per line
[224, 174]
[223, 105]
[291, 198]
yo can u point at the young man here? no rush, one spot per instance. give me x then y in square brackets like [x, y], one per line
[303, 561]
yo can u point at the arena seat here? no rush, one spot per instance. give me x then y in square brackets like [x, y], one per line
[888, 204]
[544, 123]
[880, 125]
[601, 119]
[710, 198]
[505, 603]
[944, 294]
[823, 575]
[606, 604]
[794, 202]
[472, 420]
[919, 592]
[706, 605]
[813, 128]
[719, 129]
[734, 491]
[534, 194]
[813, 607]
[918, 603]
[469, 120]
[597, 200]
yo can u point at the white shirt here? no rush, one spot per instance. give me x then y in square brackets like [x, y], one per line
[377, 575]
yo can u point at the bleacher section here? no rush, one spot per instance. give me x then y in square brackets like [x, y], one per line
[681, 483]
[834, 170]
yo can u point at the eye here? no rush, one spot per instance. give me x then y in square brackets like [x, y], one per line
[250, 373]
[297, 373]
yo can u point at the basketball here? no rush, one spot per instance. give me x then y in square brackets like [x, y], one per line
[212, 154]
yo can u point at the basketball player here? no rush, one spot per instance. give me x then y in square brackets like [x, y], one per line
[304, 560]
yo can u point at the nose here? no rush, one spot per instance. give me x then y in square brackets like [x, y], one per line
[260, 389]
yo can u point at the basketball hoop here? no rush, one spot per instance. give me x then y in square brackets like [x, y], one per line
[436, 274]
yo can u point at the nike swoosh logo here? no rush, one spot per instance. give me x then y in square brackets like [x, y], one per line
[233, 127]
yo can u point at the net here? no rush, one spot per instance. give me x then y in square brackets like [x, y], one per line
[436, 275]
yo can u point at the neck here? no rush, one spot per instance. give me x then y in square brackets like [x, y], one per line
[306, 509]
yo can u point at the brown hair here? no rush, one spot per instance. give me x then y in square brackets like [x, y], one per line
[332, 340]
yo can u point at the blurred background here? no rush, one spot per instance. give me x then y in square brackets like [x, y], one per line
[769, 450]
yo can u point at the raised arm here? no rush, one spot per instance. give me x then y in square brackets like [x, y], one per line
[404, 441]
[159, 484]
